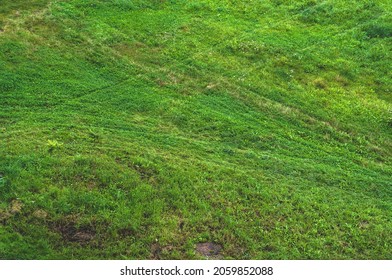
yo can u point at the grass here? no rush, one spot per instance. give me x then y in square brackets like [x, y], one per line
[138, 129]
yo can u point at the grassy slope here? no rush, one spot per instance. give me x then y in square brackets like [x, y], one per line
[136, 129]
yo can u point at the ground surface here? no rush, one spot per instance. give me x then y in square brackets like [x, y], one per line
[195, 129]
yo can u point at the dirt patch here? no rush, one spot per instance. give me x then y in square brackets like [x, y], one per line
[155, 251]
[82, 236]
[70, 233]
[209, 250]
[73, 233]
[159, 252]
[125, 232]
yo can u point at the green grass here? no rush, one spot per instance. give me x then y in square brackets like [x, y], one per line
[138, 129]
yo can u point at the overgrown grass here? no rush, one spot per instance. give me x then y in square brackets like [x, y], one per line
[137, 129]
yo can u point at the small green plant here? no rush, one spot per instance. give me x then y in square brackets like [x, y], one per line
[53, 145]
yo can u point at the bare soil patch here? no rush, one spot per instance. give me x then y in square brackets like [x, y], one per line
[209, 249]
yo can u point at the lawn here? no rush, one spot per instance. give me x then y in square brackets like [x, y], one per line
[149, 129]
